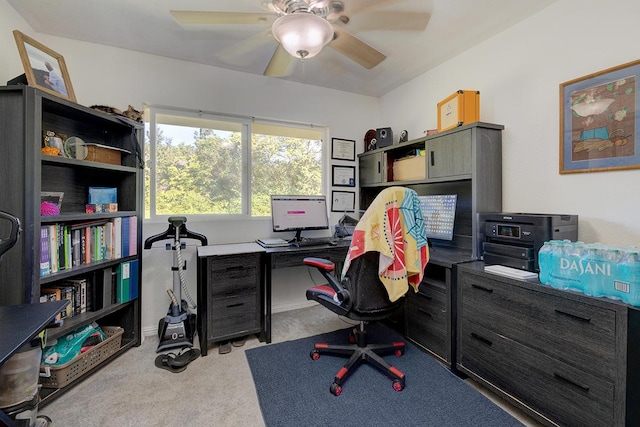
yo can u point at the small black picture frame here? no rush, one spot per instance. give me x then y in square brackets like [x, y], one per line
[343, 176]
[343, 201]
[343, 149]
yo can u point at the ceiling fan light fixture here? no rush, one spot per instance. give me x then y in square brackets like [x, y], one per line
[302, 34]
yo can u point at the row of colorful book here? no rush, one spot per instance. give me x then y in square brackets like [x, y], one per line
[64, 246]
[118, 285]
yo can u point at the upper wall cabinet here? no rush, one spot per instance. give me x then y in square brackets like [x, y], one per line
[466, 161]
[449, 156]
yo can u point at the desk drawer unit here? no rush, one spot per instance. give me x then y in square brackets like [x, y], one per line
[567, 330]
[427, 320]
[564, 393]
[293, 258]
[233, 295]
[562, 356]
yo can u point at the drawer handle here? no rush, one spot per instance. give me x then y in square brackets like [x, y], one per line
[573, 316]
[432, 155]
[482, 288]
[568, 381]
[235, 305]
[482, 339]
[425, 312]
[239, 267]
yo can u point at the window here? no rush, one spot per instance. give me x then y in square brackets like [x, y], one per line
[221, 165]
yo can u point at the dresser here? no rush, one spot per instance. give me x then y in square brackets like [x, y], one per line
[564, 357]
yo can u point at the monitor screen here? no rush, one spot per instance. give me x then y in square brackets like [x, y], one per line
[297, 213]
[439, 213]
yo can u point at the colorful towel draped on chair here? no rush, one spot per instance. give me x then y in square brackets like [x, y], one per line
[393, 226]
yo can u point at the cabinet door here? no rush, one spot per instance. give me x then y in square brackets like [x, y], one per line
[371, 168]
[449, 156]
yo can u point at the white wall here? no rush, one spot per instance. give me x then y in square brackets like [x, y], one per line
[116, 77]
[518, 74]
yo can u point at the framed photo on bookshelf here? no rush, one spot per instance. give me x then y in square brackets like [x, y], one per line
[43, 67]
[343, 149]
[54, 197]
[343, 201]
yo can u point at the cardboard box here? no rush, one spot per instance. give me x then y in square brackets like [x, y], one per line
[460, 108]
[103, 154]
[410, 169]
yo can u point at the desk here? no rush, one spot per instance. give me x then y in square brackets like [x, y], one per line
[234, 286]
[292, 257]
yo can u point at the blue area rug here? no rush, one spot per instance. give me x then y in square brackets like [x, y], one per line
[293, 389]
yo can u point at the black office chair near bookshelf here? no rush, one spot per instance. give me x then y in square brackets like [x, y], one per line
[388, 253]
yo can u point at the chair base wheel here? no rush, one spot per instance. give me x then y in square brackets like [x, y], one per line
[335, 389]
[398, 385]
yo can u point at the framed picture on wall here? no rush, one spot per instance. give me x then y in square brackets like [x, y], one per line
[343, 201]
[344, 176]
[44, 68]
[598, 121]
[343, 149]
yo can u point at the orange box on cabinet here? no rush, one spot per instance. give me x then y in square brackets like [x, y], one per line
[460, 108]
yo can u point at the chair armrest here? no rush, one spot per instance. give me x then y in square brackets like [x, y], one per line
[319, 263]
[326, 268]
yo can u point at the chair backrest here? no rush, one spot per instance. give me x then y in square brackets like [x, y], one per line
[367, 292]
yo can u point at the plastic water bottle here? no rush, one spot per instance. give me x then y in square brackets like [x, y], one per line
[613, 257]
[544, 261]
[628, 277]
[592, 280]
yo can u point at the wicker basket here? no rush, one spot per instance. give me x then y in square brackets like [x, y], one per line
[62, 375]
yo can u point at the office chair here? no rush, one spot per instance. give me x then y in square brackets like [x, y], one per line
[390, 235]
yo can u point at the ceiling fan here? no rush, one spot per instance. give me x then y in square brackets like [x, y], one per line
[303, 27]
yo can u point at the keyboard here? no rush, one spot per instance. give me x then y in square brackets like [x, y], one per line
[316, 241]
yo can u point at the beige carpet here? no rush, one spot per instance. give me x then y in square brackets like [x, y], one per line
[216, 390]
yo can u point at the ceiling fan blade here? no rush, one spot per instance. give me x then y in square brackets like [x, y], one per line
[281, 64]
[389, 21]
[248, 52]
[355, 49]
[356, 6]
[204, 17]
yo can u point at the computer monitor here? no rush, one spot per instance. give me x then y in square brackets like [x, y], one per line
[299, 213]
[439, 213]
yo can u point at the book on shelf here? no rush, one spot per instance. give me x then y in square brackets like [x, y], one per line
[117, 237]
[45, 261]
[133, 235]
[133, 280]
[64, 246]
[53, 248]
[53, 294]
[79, 294]
[125, 235]
[123, 282]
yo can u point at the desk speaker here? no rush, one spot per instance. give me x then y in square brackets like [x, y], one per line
[384, 137]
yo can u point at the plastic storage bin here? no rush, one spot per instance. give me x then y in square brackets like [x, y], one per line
[60, 376]
[19, 375]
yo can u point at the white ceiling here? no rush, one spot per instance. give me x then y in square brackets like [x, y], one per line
[147, 26]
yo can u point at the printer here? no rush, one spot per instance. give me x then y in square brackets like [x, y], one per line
[514, 239]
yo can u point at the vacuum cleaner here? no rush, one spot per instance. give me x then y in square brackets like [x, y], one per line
[178, 327]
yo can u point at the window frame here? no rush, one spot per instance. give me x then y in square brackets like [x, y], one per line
[246, 122]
